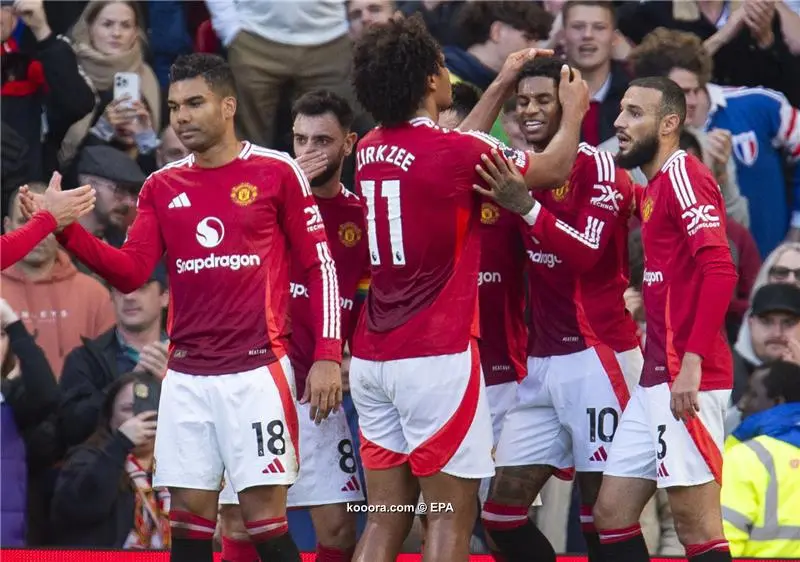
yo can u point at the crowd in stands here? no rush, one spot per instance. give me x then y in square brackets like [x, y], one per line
[76, 463]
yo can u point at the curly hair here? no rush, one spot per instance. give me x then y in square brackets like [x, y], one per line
[212, 68]
[664, 49]
[475, 20]
[391, 66]
[544, 66]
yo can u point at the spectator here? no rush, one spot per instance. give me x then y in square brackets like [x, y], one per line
[438, 16]
[59, 303]
[680, 57]
[744, 38]
[773, 326]
[104, 496]
[136, 343]
[117, 181]
[487, 33]
[29, 394]
[589, 37]
[760, 486]
[272, 44]
[465, 98]
[109, 39]
[744, 251]
[781, 266]
[127, 127]
[363, 13]
[170, 149]
[43, 90]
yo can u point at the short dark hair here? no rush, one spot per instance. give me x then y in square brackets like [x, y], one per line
[474, 21]
[689, 141]
[320, 102]
[465, 98]
[212, 68]
[673, 100]
[547, 67]
[663, 49]
[391, 66]
[782, 380]
[605, 4]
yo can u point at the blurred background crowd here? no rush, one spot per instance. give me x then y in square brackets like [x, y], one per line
[74, 470]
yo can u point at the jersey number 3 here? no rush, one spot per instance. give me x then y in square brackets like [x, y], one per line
[390, 189]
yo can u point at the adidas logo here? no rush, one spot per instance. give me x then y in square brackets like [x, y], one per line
[180, 201]
[352, 485]
[599, 455]
[662, 471]
[274, 467]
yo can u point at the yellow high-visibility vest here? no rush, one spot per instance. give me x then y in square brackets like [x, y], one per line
[761, 499]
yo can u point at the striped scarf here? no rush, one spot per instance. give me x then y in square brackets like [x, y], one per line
[151, 512]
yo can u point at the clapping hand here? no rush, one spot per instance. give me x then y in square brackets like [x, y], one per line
[65, 206]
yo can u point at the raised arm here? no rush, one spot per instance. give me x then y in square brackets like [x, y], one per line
[129, 267]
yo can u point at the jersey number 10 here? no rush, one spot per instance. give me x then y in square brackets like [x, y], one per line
[390, 189]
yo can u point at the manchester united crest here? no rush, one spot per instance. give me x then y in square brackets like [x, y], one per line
[244, 194]
[647, 208]
[560, 193]
[489, 213]
[349, 234]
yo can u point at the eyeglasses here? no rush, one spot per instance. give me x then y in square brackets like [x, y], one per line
[782, 273]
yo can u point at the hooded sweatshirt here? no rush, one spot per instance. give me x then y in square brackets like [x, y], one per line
[60, 309]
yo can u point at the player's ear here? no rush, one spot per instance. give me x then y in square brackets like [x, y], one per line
[670, 124]
[350, 142]
[228, 107]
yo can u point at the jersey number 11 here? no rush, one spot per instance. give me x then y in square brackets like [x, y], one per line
[390, 189]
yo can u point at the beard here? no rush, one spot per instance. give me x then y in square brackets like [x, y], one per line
[331, 170]
[639, 153]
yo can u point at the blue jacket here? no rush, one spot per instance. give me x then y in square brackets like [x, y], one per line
[765, 128]
[14, 491]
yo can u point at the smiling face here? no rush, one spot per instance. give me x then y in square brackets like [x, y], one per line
[538, 110]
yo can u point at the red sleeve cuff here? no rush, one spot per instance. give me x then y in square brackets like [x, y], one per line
[328, 350]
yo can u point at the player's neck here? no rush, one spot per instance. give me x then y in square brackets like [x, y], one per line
[331, 189]
[224, 152]
[138, 339]
[652, 168]
[428, 109]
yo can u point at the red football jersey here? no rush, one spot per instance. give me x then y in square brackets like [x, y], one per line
[345, 224]
[682, 212]
[578, 252]
[424, 239]
[228, 234]
[501, 297]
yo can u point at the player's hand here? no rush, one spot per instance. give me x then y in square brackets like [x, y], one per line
[140, 429]
[323, 389]
[509, 73]
[634, 302]
[153, 359]
[507, 186]
[573, 92]
[685, 389]
[313, 163]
